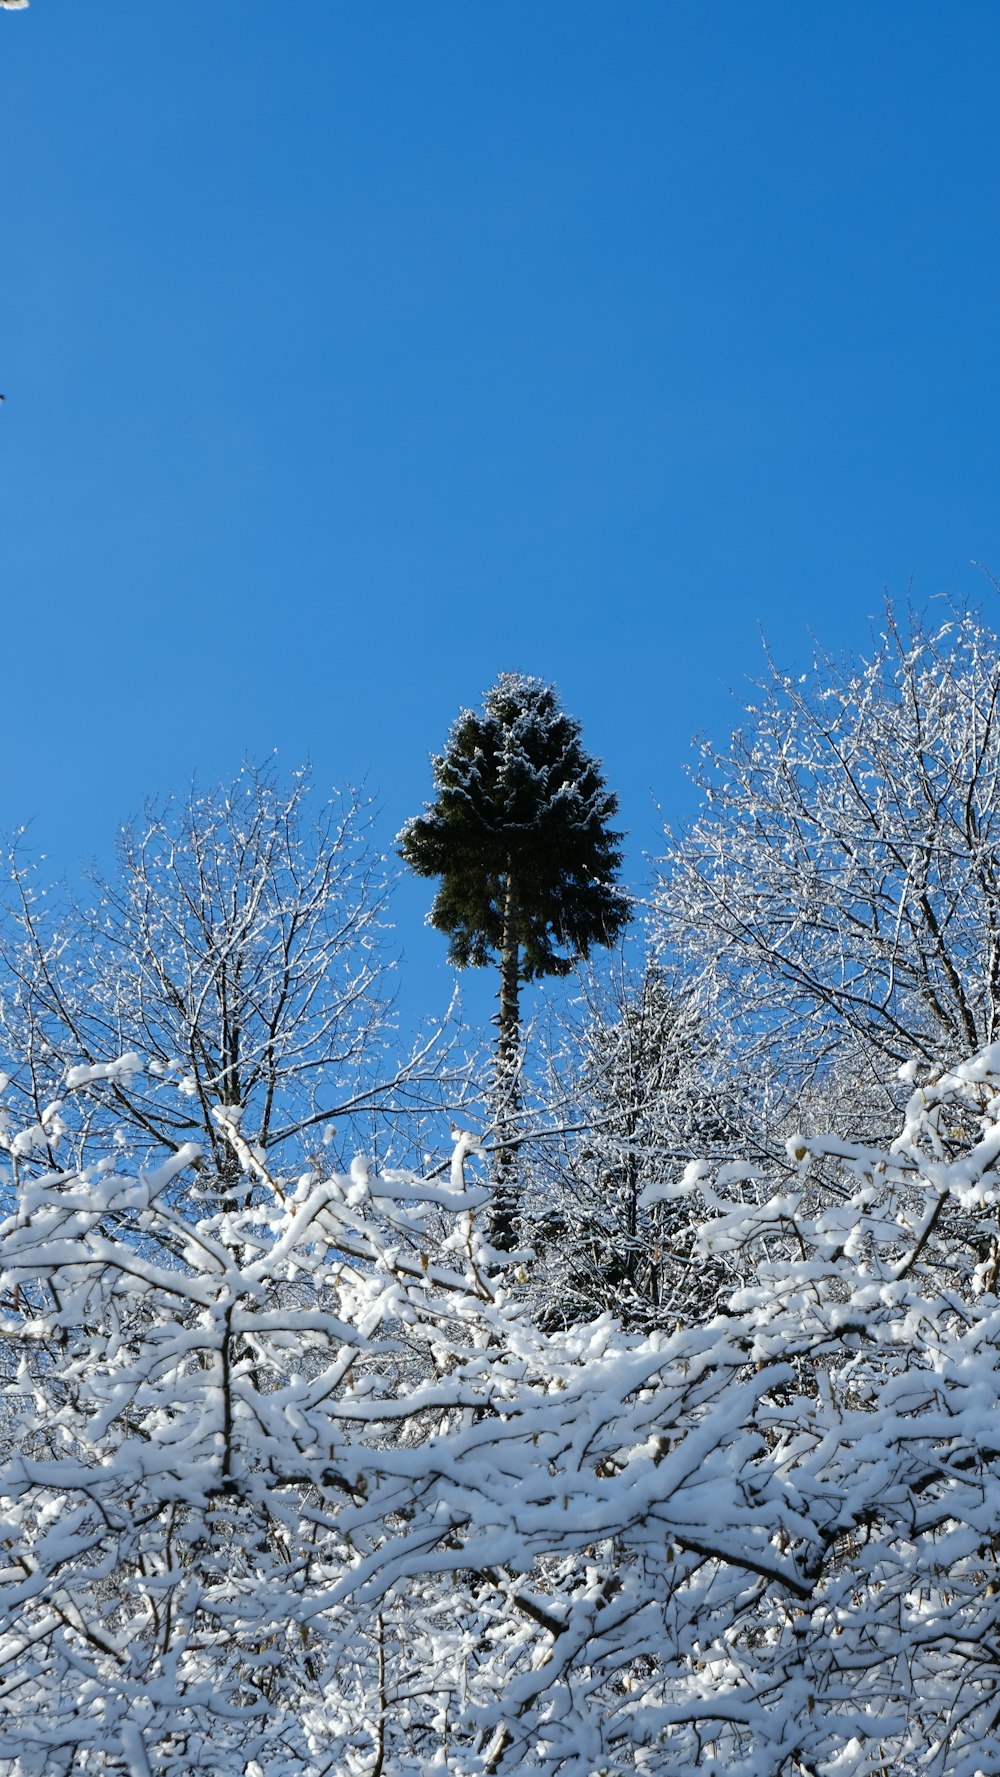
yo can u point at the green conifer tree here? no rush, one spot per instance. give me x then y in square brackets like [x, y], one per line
[519, 837]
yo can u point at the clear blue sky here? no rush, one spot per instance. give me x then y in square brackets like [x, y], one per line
[355, 352]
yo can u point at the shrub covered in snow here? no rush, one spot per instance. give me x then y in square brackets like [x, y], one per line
[296, 1485]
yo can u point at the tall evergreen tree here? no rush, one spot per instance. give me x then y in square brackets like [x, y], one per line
[519, 837]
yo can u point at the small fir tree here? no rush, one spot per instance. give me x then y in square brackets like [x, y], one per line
[643, 1092]
[520, 839]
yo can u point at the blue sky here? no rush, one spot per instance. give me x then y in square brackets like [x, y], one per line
[356, 352]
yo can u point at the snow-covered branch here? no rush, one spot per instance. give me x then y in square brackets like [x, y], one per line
[298, 1483]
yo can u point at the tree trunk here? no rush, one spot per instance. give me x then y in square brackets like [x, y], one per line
[503, 1220]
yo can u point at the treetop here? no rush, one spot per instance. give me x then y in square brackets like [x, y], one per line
[520, 830]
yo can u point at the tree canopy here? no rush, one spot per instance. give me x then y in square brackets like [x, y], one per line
[236, 948]
[519, 834]
[302, 1474]
[295, 1488]
[838, 899]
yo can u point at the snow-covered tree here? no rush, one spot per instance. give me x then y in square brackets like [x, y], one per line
[838, 899]
[632, 1092]
[519, 835]
[236, 950]
[300, 1489]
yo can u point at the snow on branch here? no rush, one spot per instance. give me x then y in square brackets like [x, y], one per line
[297, 1484]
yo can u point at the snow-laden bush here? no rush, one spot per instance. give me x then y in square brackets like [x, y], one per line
[297, 1487]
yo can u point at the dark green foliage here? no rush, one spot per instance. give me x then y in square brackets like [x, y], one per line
[519, 836]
